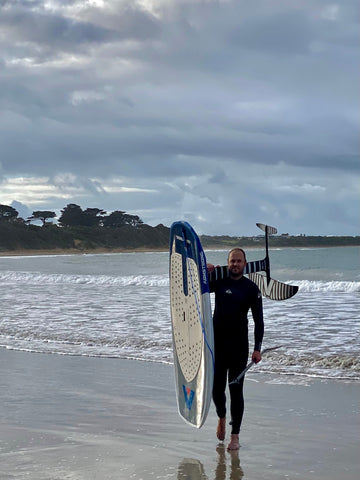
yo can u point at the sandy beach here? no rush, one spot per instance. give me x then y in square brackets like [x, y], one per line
[83, 418]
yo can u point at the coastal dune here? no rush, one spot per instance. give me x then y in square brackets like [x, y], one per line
[83, 418]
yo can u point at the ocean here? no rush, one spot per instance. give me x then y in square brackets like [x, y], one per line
[117, 305]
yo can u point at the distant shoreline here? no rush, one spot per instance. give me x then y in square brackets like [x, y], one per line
[17, 239]
[74, 251]
[99, 251]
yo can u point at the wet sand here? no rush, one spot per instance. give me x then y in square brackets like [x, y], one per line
[82, 418]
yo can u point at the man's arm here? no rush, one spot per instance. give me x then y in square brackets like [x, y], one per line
[257, 313]
[215, 273]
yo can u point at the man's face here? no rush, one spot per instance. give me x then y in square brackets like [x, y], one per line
[236, 263]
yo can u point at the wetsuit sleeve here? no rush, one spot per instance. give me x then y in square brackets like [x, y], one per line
[211, 281]
[219, 273]
[257, 313]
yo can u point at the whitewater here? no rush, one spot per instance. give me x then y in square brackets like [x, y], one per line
[117, 305]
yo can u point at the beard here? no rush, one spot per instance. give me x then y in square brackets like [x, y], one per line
[236, 271]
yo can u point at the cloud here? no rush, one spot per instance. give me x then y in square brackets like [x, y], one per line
[221, 112]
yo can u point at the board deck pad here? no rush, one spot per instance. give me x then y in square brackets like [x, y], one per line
[192, 328]
[187, 329]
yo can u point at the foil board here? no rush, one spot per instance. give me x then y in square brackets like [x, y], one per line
[192, 327]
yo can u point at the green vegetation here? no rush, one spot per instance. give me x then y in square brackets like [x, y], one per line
[78, 229]
[84, 230]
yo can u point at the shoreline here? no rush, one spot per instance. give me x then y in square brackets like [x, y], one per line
[75, 251]
[86, 418]
[97, 251]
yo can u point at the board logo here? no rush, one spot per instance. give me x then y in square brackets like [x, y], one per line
[189, 396]
[204, 268]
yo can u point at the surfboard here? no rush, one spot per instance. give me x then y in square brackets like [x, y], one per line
[191, 320]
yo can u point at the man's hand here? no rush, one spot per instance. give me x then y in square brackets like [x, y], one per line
[210, 267]
[256, 356]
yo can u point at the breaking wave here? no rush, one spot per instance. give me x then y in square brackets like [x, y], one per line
[328, 366]
[319, 286]
[45, 279]
[153, 280]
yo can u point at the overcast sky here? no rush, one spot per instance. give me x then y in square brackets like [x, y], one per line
[223, 113]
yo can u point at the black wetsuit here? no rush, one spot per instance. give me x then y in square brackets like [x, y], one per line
[233, 300]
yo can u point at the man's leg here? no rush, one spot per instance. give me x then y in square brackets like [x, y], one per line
[221, 429]
[219, 397]
[236, 407]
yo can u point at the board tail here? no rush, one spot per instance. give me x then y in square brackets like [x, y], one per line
[274, 290]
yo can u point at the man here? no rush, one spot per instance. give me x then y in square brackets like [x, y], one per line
[235, 295]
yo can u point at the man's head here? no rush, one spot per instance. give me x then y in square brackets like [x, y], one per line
[236, 262]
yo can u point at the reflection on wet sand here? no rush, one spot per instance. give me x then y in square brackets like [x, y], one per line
[236, 472]
[191, 469]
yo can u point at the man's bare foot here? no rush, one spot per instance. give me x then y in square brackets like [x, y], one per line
[220, 431]
[234, 442]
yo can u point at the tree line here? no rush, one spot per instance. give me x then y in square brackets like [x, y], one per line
[93, 228]
[78, 229]
[74, 216]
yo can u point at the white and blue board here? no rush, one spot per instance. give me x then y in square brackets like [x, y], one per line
[192, 328]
